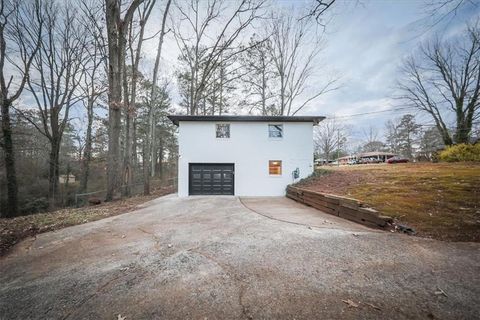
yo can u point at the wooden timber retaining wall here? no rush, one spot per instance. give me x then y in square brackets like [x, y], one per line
[347, 208]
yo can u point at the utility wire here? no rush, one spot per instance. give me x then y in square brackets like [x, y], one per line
[373, 112]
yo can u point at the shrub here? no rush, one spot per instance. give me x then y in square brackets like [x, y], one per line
[461, 152]
[35, 205]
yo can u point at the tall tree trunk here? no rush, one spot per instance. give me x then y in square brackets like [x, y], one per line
[134, 144]
[146, 171]
[264, 88]
[129, 97]
[116, 32]
[53, 171]
[87, 151]
[282, 94]
[153, 146]
[127, 169]
[463, 127]
[12, 186]
[66, 186]
[114, 94]
[151, 138]
[160, 160]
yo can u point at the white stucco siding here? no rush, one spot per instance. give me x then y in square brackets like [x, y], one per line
[250, 149]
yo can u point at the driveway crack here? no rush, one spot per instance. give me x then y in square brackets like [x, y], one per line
[240, 281]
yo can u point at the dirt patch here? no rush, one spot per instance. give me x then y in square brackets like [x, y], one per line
[440, 201]
[16, 229]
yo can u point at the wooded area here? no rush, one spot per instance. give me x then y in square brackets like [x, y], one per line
[84, 106]
[85, 88]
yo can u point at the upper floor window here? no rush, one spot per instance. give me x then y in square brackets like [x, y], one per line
[223, 130]
[275, 130]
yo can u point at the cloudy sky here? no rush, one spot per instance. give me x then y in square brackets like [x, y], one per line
[366, 41]
[366, 44]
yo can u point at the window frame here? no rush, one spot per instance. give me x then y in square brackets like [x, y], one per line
[275, 174]
[282, 131]
[223, 124]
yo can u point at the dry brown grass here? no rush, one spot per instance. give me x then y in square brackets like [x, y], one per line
[440, 200]
[16, 229]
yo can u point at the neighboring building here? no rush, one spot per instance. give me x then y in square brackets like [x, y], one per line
[243, 155]
[375, 156]
[347, 159]
[366, 157]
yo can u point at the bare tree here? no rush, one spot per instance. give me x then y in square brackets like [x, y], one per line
[371, 140]
[93, 84]
[370, 134]
[202, 49]
[294, 49]
[392, 136]
[117, 31]
[317, 9]
[134, 46]
[20, 36]
[330, 135]
[258, 77]
[444, 79]
[56, 72]
[148, 164]
[438, 11]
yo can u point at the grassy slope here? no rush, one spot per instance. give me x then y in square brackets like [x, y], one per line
[441, 200]
[16, 229]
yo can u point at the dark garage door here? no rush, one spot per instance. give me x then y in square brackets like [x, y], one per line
[211, 178]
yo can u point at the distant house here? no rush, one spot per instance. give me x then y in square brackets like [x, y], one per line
[243, 155]
[366, 157]
[347, 159]
[375, 156]
[63, 178]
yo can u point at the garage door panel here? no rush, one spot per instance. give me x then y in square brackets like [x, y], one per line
[211, 179]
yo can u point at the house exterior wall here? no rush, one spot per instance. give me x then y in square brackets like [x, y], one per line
[250, 149]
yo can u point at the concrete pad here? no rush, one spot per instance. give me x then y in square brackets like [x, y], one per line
[288, 210]
[214, 258]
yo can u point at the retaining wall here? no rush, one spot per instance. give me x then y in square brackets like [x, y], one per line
[347, 208]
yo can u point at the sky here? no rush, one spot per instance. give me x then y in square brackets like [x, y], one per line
[366, 42]
[366, 45]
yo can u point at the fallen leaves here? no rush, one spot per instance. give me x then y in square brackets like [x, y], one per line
[16, 229]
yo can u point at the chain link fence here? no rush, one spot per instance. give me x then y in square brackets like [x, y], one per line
[98, 196]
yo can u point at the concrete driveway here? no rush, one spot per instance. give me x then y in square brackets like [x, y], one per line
[230, 258]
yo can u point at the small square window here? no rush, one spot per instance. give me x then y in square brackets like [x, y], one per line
[275, 130]
[275, 167]
[223, 130]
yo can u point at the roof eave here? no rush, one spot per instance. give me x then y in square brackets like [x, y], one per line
[314, 119]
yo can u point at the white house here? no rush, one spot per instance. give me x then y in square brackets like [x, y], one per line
[243, 155]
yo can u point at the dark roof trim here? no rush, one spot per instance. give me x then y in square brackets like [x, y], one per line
[315, 119]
